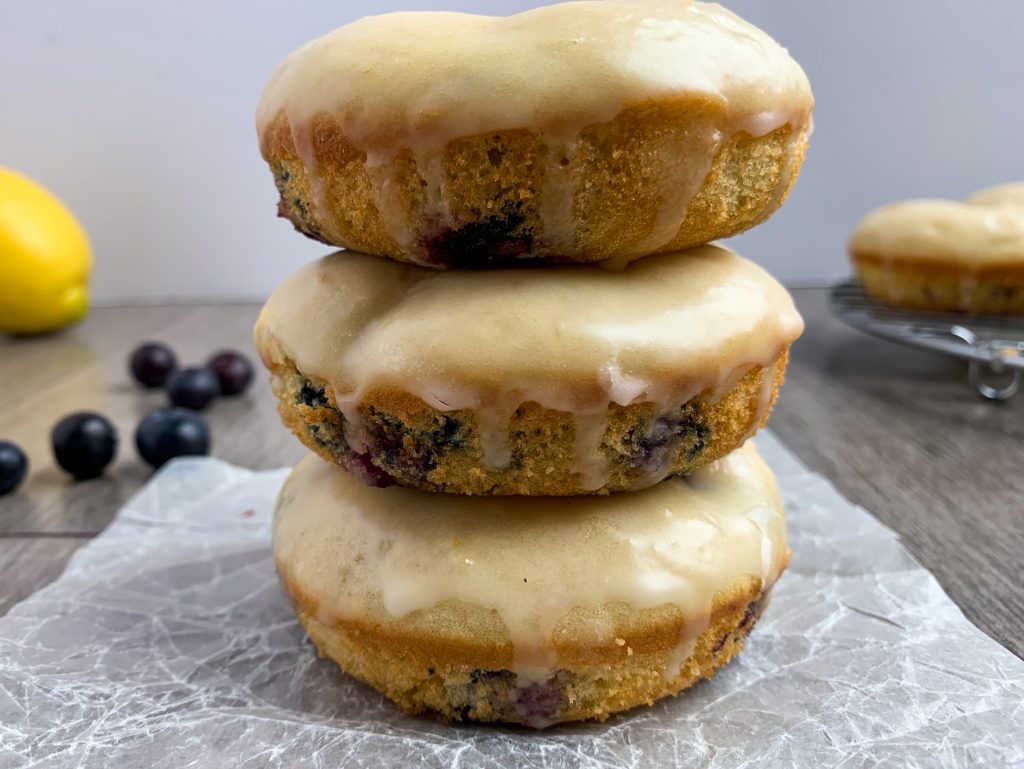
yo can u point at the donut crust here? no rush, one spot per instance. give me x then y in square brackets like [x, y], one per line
[412, 444]
[938, 286]
[492, 185]
[453, 659]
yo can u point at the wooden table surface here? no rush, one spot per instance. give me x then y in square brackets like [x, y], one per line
[897, 431]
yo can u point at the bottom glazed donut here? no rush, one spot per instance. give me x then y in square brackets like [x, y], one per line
[531, 610]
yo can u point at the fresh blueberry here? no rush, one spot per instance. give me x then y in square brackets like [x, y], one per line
[13, 467]
[193, 388]
[233, 370]
[152, 363]
[168, 433]
[84, 444]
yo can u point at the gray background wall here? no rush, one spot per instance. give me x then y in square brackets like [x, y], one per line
[140, 116]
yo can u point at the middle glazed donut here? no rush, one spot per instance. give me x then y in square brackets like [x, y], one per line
[561, 381]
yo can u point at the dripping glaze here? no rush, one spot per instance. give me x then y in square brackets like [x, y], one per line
[675, 544]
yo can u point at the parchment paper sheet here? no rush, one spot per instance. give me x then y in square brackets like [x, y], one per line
[167, 643]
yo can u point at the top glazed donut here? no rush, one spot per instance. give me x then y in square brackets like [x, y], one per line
[572, 133]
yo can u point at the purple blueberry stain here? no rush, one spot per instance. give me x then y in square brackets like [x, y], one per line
[539, 705]
[413, 452]
[491, 241]
[395, 453]
[652, 450]
[750, 617]
[295, 210]
[362, 467]
[754, 611]
[721, 643]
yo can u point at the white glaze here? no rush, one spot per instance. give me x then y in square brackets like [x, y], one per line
[588, 460]
[686, 646]
[415, 81]
[942, 231]
[493, 425]
[1010, 195]
[573, 339]
[377, 555]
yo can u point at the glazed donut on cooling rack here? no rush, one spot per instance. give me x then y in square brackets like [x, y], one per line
[943, 255]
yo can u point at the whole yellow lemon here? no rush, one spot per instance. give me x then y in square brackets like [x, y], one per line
[45, 259]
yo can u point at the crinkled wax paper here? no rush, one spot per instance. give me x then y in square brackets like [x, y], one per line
[167, 643]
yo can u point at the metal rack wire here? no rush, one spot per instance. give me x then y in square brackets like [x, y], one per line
[991, 344]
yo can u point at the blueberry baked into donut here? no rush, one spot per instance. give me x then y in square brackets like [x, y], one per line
[562, 380]
[531, 610]
[576, 132]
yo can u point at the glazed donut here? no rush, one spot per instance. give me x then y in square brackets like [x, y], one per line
[1011, 195]
[571, 133]
[531, 611]
[564, 380]
[944, 256]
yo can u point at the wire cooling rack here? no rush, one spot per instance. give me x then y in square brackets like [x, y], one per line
[993, 345]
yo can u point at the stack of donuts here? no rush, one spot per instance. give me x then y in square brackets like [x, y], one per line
[527, 382]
